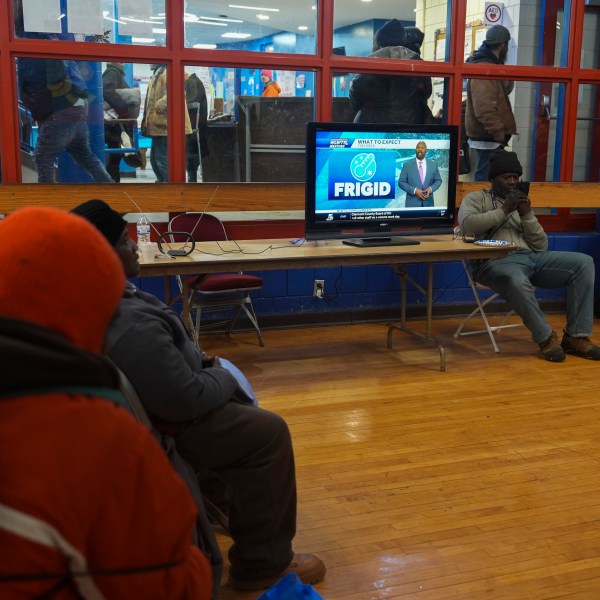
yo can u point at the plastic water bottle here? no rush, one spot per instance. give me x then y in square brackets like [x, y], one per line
[143, 229]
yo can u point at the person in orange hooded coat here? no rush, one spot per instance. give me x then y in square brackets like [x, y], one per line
[271, 89]
[89, 505]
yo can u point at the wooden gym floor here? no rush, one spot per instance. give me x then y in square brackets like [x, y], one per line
[481, 482]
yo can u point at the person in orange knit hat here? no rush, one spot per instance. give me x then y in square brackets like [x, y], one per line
[89, 506]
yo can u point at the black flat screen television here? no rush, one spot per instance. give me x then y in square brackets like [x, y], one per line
[361, 184]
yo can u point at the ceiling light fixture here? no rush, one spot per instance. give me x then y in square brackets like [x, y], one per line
[209, 23]
[263, 17]
[262, 8]
[115, 21]
[235, 35]
[205, 46]
[302, 27]
[159, 30]
[225, 20]
[143, 40]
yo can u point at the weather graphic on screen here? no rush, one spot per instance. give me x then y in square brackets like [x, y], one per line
[362, 175]
[363, 166]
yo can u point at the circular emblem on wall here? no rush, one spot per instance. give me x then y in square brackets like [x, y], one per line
[493, 13]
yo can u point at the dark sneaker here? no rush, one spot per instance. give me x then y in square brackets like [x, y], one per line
[580, 346]
[551, 349]
[309, 568]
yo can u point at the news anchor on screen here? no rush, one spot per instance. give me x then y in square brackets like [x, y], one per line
[419, 178]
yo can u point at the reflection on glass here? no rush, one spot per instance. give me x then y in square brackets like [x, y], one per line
[538, 35]
[537, 108]
[267, 27]
[586, 163]
[134, 23]
[356, 25]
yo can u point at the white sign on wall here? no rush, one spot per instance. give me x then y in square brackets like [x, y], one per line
[493, 13]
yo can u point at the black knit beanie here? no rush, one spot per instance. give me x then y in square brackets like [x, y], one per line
[108, 221]
[391, 34]
[502, 161]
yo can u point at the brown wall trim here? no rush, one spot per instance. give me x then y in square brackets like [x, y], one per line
[211, 197]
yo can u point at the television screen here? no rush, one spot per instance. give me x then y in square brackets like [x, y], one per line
[368, 181]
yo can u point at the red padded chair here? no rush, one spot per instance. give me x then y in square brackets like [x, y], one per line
[215, 292]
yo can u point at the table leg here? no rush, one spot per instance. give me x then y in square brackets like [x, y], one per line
[428, 293]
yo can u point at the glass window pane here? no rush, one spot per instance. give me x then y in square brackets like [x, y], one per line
[80, 121]
[413, 25]
[538, 33]
[586, 163]
[383, 98]
[255, 125]
[134, 23]
[538, 117]
[271, 28]
[590, 49]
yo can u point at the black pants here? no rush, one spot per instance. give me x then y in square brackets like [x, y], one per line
[112, 137]
[250, 451]
[192, 157]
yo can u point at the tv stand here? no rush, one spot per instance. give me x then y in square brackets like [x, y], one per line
[372, 242]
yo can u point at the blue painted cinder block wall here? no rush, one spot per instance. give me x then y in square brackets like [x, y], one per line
[359, 288]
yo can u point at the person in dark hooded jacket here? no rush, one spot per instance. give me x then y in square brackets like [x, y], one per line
[113, 79]
[391, 98]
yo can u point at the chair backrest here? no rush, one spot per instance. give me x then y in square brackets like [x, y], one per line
[204, 227]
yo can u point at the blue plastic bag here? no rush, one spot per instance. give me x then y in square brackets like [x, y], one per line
[244, 393]
[290, 588]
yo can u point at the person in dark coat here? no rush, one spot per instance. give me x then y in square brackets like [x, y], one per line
[240, 451]
[392, 98]
[113, 79]
[196, 144]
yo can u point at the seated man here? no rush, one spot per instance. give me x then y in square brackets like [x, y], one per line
[246, 450]
[504, 213]
[89, 505]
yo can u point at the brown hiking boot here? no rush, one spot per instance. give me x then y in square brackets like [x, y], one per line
[551, 349]
[580, 346]
[309, 568]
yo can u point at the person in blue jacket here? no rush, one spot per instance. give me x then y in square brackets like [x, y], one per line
[55, 93]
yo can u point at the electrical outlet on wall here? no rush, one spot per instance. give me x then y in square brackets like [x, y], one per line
[319, 288]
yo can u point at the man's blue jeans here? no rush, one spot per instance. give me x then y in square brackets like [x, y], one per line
[516, 276]
[159, 158]
[68, 130]
[483, 164]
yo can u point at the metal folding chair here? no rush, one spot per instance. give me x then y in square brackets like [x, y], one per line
[215, 292]
[479, 311]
